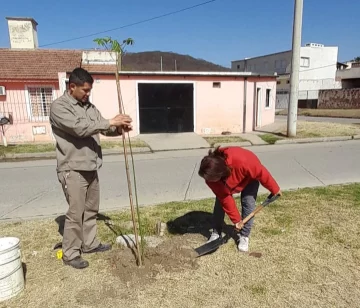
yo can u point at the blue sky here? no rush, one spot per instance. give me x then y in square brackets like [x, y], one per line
[219, 32]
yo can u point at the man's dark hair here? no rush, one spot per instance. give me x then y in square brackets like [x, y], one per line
[79, 76]
[213, 166]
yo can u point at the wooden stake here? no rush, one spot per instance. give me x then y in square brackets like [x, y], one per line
[121, 110]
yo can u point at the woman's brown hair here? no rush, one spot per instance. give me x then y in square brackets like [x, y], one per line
[213, 167]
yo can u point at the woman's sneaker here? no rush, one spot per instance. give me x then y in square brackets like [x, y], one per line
[243, 243]
[213, 237]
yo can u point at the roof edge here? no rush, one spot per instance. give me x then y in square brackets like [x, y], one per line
[184, 73]
[23, 19]
[267, 55]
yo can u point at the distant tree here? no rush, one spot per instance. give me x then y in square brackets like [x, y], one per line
[357, 59]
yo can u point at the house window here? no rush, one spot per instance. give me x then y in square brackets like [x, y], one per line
[267, 102]
[304, 62]
[278, 82]
[216, 84]
[40, 99]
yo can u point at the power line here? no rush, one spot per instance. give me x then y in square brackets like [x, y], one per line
[133, 24]
[316, 68]
[311, 69]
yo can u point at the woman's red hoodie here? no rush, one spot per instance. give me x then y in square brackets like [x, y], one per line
[246, 167]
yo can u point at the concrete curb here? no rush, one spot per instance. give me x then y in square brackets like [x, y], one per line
[315, 140]
[234, 144]
[52, 155]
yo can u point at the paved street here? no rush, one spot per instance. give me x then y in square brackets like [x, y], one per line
[30, 189]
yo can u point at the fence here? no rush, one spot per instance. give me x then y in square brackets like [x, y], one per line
[29, 106]
[28, 111]
[339, 99]
[307, 99]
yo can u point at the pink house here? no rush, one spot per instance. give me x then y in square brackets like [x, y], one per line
[29, 82]
[200, 102]
[159, 102]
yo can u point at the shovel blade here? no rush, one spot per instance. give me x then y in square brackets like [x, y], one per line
[210, 247]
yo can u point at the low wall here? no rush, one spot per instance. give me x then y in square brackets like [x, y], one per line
[339, 99]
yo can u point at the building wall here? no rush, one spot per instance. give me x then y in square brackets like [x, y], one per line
[350, 77]
[267, 114]
[268, 64]
[219, 109]
[318, 66]
[105, 98]
[339, 99]
[16, 102]
[216, 109]
[322, 64]
[23, 34]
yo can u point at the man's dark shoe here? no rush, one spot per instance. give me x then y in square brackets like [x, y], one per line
[100, 248]
[78, 263]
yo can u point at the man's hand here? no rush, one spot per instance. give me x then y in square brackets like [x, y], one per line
[279, 193]
[126, 128]
[239, 225]
[121, 120]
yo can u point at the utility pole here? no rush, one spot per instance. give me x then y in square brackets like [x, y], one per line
[295, 67]
[161, 63]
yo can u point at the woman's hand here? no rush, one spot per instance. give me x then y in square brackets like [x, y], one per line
[239, 225]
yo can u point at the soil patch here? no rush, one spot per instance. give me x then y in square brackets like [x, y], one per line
[173, 255]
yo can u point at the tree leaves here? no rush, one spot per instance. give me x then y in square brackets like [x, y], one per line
[113, 45]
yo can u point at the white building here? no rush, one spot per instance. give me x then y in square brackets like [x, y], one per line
[318, 66]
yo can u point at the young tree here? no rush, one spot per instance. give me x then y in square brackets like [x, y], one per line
[113, 46]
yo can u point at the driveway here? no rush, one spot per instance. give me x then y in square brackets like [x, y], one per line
[178, 141]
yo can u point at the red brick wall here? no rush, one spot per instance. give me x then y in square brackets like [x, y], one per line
[339, 99]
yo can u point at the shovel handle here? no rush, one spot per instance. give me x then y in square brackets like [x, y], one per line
[271, 198]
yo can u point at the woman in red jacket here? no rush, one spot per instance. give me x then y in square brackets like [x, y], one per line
[228, 171]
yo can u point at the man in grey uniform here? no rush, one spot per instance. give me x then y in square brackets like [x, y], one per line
[76, 124]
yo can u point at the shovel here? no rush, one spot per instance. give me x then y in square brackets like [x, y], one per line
[214, 245]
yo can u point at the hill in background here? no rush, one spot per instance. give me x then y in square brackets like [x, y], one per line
[151, 61]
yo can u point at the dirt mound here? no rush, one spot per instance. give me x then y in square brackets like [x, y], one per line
[173, 255]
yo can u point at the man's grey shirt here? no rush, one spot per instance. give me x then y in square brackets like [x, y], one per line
[76, 127]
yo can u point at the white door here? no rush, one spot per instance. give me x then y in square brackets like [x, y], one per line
[258, 107]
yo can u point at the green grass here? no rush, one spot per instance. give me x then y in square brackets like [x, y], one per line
[270, 138]
[26, 148]
[135, 143]
[257, 289]
[337, 113]
[50, 147]
[308, 238]
[223, 139]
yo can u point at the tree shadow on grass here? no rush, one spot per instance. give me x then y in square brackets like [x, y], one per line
[282, 135]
